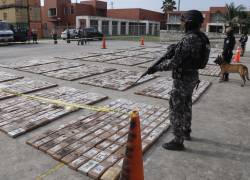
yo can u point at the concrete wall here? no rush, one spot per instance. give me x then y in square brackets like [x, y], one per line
[136, 14]
[11, 15]
[8, 2]
[33, 2]
[79, 9]
[35, 14]
[151, 15]
[168, 36]
[177, 35]
[216, 39]
[100, 7]
[21, 15]
[124, 13]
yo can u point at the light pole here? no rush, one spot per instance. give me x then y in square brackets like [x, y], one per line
[179, 5]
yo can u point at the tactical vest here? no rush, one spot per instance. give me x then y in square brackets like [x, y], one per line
[191, 65]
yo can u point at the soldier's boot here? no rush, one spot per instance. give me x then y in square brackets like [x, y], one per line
[175, 145]
[226, 77]
[223, 78]
[187, 135]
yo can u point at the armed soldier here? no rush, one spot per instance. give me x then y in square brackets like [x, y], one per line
[229, 44]
[191, 54]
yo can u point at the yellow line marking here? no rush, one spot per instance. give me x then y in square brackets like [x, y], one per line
[62, 103]
[50, 171]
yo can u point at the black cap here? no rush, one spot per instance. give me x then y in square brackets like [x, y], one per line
[192, 16]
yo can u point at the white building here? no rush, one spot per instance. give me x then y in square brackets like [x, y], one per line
[113, 26]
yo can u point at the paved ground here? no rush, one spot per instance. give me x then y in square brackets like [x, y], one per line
[220, 148]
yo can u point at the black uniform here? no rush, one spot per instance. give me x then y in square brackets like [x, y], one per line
[34, 37]
[185, 78]
[54, 35]
[191, 54]
[243, 41]
[229, 44]
[68, 36]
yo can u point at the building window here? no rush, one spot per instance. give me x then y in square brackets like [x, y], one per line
[123, 28]
[105, 27]
[66, 11]
[72, 10]
[52, 12]
[94, 24]
[217, 18]
[174, 19]
[5, 16]
[114, 27]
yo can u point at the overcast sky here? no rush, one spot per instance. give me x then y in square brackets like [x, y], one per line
[185, 4]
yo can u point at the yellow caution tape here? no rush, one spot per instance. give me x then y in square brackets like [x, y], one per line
[61, 103]
[50, 171]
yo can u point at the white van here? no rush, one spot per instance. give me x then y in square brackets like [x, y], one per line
[6, 34]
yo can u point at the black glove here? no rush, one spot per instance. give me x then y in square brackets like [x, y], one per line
[152, 70]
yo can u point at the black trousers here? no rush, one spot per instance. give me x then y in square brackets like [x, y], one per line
[228, 59]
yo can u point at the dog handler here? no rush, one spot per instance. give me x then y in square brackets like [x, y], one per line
[229, 44]
[191, 54]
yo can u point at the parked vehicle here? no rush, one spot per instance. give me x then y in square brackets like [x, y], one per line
[72, 32]
[20, 34]
[93, 33]
[6, 34]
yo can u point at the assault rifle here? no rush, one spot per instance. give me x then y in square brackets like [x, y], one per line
[170, 54]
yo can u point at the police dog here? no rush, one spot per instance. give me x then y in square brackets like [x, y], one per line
[232, 68]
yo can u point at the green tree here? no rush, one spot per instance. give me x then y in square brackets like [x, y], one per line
[234, 13]
[246, 22]
[168, 5]
[236, 16]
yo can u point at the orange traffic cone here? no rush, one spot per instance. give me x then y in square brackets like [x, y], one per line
[104, 46]
[237, 55]
[132, 168]
[142, 41]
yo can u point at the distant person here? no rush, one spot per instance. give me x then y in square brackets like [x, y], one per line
[85, 36]
[229, 44]
[29, 35]
[243, 41]
[82, 37]
[79, 36]
[54, 36]
[68, 36]
[34, 36]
